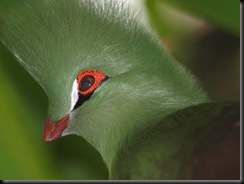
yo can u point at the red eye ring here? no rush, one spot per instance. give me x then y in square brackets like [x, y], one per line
[93, 79]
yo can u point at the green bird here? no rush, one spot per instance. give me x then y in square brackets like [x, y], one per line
[110, 80]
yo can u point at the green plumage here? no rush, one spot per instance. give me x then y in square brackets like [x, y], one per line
[56, 39]
[182, 144]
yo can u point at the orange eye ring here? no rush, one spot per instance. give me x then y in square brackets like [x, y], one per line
[89, 80]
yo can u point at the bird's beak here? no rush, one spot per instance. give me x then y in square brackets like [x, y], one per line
[53, 131]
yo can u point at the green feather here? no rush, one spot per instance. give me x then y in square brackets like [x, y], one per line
[177, 145]
[56, 39]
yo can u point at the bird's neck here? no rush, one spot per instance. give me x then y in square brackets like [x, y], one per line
[180, 146]
[113, 141]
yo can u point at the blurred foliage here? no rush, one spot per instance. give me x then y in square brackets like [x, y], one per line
[202, 35]
[225, 14]
[205, 37]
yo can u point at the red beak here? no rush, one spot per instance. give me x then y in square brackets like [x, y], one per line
[53, 131]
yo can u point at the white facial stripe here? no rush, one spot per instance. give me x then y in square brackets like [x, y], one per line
[74, 95]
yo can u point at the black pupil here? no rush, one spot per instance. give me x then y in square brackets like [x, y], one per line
[86, 82]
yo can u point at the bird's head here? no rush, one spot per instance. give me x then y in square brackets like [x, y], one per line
[83, 88]
[105, 76]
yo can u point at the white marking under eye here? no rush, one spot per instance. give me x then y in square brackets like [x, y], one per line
[74, 95]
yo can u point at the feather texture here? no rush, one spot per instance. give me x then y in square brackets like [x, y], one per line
[56, 39]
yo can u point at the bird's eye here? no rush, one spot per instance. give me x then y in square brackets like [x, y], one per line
[89, 80]
[86, 82]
